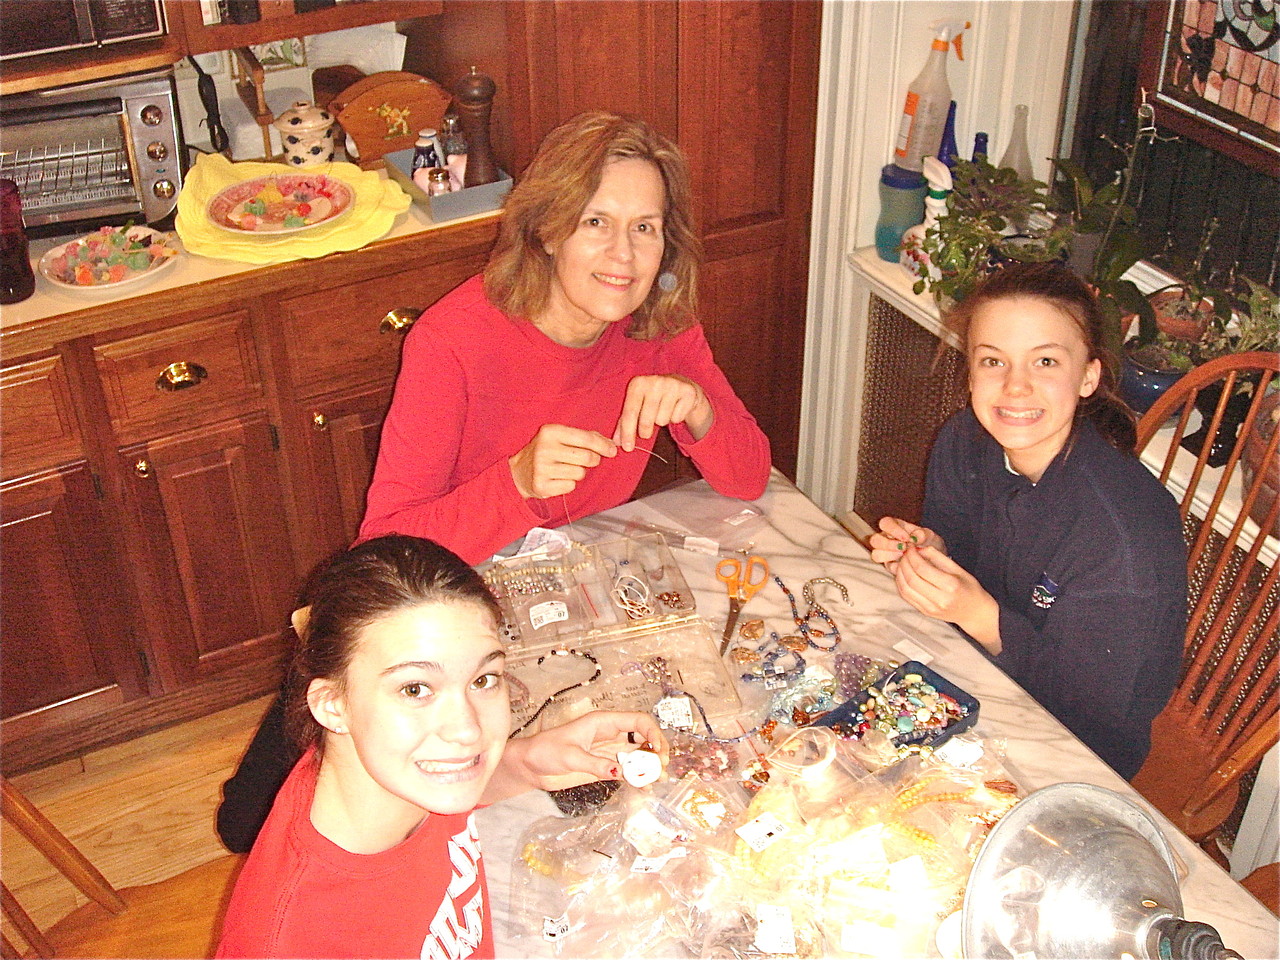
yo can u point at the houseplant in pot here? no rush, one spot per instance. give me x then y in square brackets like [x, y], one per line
[1254, 326]
[988, 213]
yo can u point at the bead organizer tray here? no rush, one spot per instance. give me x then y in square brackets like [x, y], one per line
[930, 725]
[553, 595]
[639, 663]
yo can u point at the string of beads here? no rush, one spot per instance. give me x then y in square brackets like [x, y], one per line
[585, 655]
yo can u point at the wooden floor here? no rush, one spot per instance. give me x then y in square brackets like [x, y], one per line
[141, 811]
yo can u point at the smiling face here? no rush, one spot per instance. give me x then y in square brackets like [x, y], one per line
[1029, 367]
[606, 267]
[422, 718]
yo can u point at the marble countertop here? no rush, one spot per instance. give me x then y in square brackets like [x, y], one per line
[800, 542]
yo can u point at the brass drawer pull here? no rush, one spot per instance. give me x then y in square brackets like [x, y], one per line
[180, 376]
[142, 467]
[399, 320]
[319, 421]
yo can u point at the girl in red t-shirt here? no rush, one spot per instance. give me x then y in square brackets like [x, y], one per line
[398, 699]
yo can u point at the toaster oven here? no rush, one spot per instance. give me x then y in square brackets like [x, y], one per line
[103, 152]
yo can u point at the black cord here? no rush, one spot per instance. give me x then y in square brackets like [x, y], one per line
[212, 113]
[586, 655]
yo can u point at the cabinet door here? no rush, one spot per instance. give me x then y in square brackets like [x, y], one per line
[342, 446]
[64, 643]
[217, 562]
[756, 62]
[618, 56]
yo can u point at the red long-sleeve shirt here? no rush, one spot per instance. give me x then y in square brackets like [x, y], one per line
[475, 385]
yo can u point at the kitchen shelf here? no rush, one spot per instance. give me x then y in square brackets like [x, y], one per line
[81, 66]
[279, 22]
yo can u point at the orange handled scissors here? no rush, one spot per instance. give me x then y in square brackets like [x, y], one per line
[743, 580]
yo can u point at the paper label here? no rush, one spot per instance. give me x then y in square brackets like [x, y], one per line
[553, 928]
[862, 939]
[701, 545]
[741, 517]
[674, 712]
[908, 876]
[654, 864]
[960, 752]
[549, 611]
[913, 651]
[775, 933]
[761, 832]
[649, 835]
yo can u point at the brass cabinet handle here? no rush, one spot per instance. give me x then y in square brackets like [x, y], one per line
[319, 421]
[399, 320]
[142, 467]
[180, 376]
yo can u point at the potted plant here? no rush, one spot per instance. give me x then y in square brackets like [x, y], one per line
[1104, 242]
[992, 216]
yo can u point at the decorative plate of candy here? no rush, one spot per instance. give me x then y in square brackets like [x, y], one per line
[286, 203]
[109, 259]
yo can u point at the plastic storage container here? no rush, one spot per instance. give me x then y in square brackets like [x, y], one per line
[902, 195]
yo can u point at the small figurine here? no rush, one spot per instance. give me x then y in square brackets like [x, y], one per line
[642, 766]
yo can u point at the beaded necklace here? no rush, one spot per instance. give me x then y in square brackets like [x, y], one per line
[815, 609]
[655, 671]
[585, 655]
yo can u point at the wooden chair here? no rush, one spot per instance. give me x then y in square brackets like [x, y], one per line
[178, 917]
[22, 814]
[1223, 715]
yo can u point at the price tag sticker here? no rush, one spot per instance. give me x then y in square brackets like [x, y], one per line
[675, 712]
[550, 611]
[655, 864]
[762, 832]
[775, 932]
[553, 928]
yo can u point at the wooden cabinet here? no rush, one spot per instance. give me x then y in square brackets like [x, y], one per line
[64, 641]
[173, 471]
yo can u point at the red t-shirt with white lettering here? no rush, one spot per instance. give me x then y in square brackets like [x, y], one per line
[301, 895]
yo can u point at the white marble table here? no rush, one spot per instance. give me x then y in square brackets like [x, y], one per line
[801, 542]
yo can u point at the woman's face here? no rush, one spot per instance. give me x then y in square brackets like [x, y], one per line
[1029, 367]
[425, 706]
[606, 267]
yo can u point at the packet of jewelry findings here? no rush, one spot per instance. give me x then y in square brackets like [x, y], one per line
[911, 705]
[560, 593]
[669, 666]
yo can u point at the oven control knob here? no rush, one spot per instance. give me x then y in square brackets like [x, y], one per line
[164, 189]
[157, 150]
[151, 115]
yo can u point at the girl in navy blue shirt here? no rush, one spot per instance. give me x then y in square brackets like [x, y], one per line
[1044, 538]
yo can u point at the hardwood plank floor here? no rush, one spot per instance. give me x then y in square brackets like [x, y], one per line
[141, 811]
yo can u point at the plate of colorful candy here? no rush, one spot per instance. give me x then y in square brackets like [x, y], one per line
[109, 259]
[286, 203]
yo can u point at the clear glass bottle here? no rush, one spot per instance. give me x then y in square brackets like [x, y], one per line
[17, 281]
[1017, 156]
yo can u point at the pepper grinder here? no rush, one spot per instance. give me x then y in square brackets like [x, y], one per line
[17, 282]
[474, 96]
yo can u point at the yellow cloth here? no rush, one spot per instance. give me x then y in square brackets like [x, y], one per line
[377, 203]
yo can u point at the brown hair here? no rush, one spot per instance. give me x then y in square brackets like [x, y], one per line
[544, 207]
[1059, 285]
[355, 589]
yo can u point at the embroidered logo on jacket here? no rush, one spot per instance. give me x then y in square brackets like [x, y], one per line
[1045, 592]
[458, 926]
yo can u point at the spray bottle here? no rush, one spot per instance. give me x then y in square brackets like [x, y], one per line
[913, 257]
[928, 97]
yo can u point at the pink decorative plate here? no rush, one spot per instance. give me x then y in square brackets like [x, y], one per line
[286, 203]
